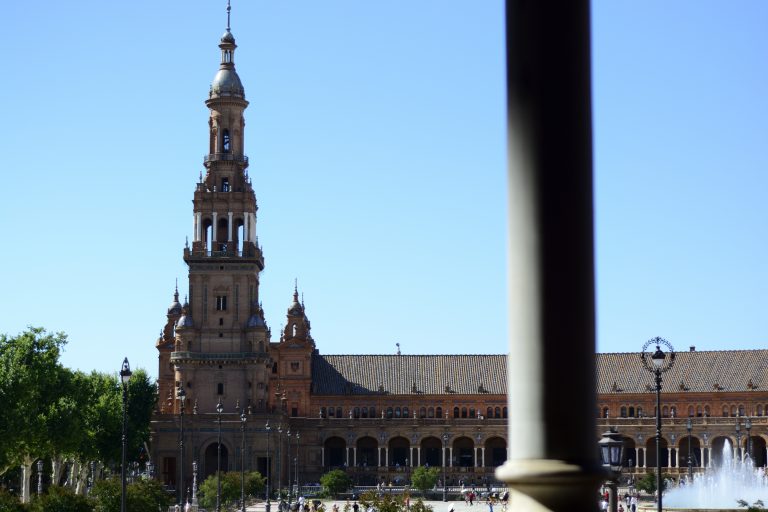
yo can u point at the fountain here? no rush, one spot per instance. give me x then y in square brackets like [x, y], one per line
[722, 487]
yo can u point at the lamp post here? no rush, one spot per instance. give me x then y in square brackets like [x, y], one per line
[267, 504]
[194, 483]
[748, 426]
[125, 376]
[290, 487]
[279, 466]
[219, 410]
[658, 363]
[738, 439]
[689, 427]
[243, 420]
[182, 397]
[612, 457]
[296, 460]
[445, 483]
[39, 477]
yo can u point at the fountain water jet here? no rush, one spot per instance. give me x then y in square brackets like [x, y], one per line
[722, 487]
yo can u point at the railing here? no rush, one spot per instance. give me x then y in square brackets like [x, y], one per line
[225, 157]
[215, 356]
[680, 421]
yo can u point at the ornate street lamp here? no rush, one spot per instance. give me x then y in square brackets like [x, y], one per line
[612, 456]
[279, 467]
[219, 410]
[658, 363]
[689, 427]
[748, 426]
[267, 504]
[194, 483]
[290, 487]
[445, 483]
[125, 376]
[243, 420]
[296, 460]
[182, 397]
[39, 477]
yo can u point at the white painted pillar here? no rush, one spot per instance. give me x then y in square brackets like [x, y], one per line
[253, 226]
[378, 451]
[701, 456]
[246, 229]
[229, 226]
[482, 454]
[354, 455]
[637, 456]
[346, 452]
[418, 454]
[450, 456]
[386, 456]
[645, 457]
[669, 457]
[213, 233]
[444, 464]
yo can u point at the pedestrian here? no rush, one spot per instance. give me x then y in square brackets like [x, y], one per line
[490, 505]
[355, 507]
[471, 497]
[633, 503]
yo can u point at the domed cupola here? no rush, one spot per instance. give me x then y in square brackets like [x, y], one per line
[226, 83]
[256, 320]
[186, 318]
[175, 307]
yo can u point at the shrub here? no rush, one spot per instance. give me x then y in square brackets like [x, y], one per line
[60, 499]
[335, 482]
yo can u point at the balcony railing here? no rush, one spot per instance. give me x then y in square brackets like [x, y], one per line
[214, 356]
[225, 157]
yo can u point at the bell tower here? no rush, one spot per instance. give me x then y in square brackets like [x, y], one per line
[221, 340]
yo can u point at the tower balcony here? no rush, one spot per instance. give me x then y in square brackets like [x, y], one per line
[225, 157]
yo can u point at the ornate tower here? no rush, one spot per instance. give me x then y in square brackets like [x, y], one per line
[216, 345]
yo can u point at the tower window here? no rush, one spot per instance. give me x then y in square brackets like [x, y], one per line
[221, 321]
[225, 184]
[221, 303]
[225, 141]
[220, 388]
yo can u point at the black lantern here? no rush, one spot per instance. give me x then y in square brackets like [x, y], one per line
[612, 450]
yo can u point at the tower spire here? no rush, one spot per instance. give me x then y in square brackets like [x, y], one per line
[229, 8]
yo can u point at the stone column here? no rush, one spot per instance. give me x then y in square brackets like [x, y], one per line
[482, 454]
[246, 228]
[637, 456]
[378, 451]
[669, 458]
[552, 461]
[386, 456]
[354, 455]
[418, 454]
[346, 461]
[701, 456]
[229, 226]
[213, 232]
[450, 456]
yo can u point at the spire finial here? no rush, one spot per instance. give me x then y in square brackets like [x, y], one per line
[229, 8]
[176, 293]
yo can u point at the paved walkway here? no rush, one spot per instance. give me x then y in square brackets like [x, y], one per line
[437, 506]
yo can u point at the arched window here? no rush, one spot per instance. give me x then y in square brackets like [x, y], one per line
[430, 412]
[623, 412]
[225, 141]
[423, 412]
[725, 411]
[364, 412]
[759, 409]
[665, 412]
[398, 412]
[698, 411]
[371, 412]
[439, 412]
[405, 412]
[690, 411]
[220, 388]
[464, 412]
[338, 412]
[323, 412]
[497, 412]
[706, 410]
[741, 410]
[503, 412]
[631, 412]
[356, 412]
[472, 412]
[605, 412]
[489, 413]
[733, 410]
[639, 412]
[331, 412]
[455, 412]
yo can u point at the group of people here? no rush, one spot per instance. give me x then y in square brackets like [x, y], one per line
[629, 500]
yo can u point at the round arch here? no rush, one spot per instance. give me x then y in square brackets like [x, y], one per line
[694, 448]
[366, 452]
[430, 452]
[463, 452]
[758, 451]
[650, 452]
[495, 451]
[722, 449]
[335, 451]
[399, 449]
[629, 452]
[210, 459]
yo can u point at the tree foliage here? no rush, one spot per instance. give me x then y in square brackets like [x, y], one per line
[230, 488]
[60, 499]
[648, 483]
[424, 478]
[335, 481]
[388, 502]
[140, 496]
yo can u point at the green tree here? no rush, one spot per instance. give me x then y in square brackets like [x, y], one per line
[59, 499]
[141, 496]
[230, 488]
[424, 478]
[648, 483]
[335, 481]
[10, 502]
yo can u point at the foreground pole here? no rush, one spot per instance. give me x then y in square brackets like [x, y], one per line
[552, 461]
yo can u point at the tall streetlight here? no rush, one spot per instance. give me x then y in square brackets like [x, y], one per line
[658, 363]
[182, 397]
[296, 460]
[40, 477]
[279, 466]
[748, 426]
[267, 504]
[125, 376]
[243, 420]
[290, 487]
[445, 482]
[219, 410]
[689, 427]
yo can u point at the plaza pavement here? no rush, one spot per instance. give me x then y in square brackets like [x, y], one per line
[437, 506]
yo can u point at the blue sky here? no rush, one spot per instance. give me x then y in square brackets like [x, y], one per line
[376, 140]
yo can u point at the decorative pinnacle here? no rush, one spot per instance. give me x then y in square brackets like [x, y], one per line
[229, 8]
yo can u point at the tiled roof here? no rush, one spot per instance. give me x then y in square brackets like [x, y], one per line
[363, 374]
[698, 371]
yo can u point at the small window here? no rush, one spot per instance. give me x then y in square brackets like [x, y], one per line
[364, 412]
[456, 412]
[405, 412]
[706, 410]
[489, 413]
[665, 412]
[338, 412]
[497, 412]
[294, 411]
[699, 412]
[371, 412]
[741, 410]
[725, 411]
[225, 184]
[733, 410]
[631, 412]
[639, 412]
[503, 412]
[464, 412]
[430, 413]
[439, 412]
[356, 412]
[221, 321]
[623, 412]
[323, 412]
[423, 412]
[331, 412]
[220, 388]
[221, 303]
[389, 412]
[472, 412]
[398, 412]
[225, 141]
[759, 409]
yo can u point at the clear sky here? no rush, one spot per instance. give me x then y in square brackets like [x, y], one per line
[376, 139]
